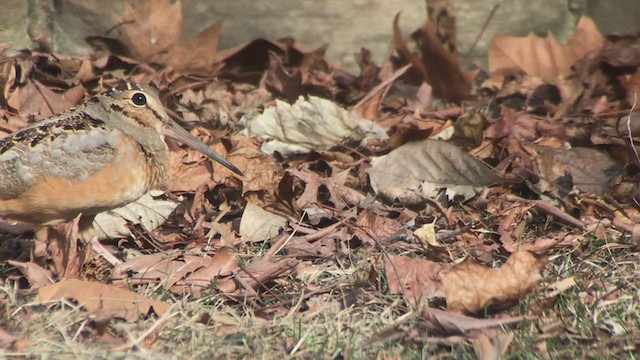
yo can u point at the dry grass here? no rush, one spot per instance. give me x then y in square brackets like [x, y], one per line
[597, 318]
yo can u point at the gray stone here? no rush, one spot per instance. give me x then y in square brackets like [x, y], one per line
[345, 25]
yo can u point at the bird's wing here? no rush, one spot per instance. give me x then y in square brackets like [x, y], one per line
[73, 145]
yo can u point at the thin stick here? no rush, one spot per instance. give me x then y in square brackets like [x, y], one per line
[482, 30]
[633, 107]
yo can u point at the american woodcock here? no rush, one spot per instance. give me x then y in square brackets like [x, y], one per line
[100, 155]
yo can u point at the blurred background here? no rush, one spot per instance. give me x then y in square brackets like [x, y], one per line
[345, 25]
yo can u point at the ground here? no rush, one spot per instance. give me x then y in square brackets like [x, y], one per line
[416, 209]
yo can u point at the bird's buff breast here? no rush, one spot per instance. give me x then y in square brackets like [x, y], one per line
[54, 199]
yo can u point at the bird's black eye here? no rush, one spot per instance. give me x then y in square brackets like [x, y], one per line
[139, 99]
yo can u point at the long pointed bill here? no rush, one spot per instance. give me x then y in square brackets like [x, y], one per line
[177, 132]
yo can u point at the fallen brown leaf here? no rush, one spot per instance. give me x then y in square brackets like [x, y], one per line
[451, 323]
[471, 287]
[150, 27]
[7, 340]
[223, 263]
[37, 99]
[105, 301]
[34, 273]
[252, 277]
[492, 345]
[416, 279]
[544, 57]
[196, 55]
[436, 65]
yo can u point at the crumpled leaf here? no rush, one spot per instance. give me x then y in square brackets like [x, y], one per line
[146, 211]
[103, 300]
[448, 322]
[427, 234]
[544, 57]
[258, 224]
[168, 268]
[425, 167]
[468, 287]
[314, 124]
[340, 196]
[471, 287]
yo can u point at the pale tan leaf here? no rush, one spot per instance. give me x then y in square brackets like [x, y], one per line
[427, 234]
[424, 167]
[258, 224]
[147, 211]
[492, 345]
[313, 124]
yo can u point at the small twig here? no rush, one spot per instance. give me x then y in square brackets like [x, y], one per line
[275, 249]
[633, 107]
[301, 341]
[550, 209]
[100, 250]
[482, 30]
[136, 342]
[380, 87]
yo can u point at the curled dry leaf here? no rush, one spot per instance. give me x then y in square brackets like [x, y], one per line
[196, 55]
[423, 168]
[371, 227]
[492, 344]
[468, 287]
[447, 322]
[36, 99]
[313, 124]
[435, 65]
[471, 287]
[427, 234]
[162, 267]
[104, 301]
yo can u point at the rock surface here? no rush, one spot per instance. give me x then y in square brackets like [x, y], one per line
[345, 25]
